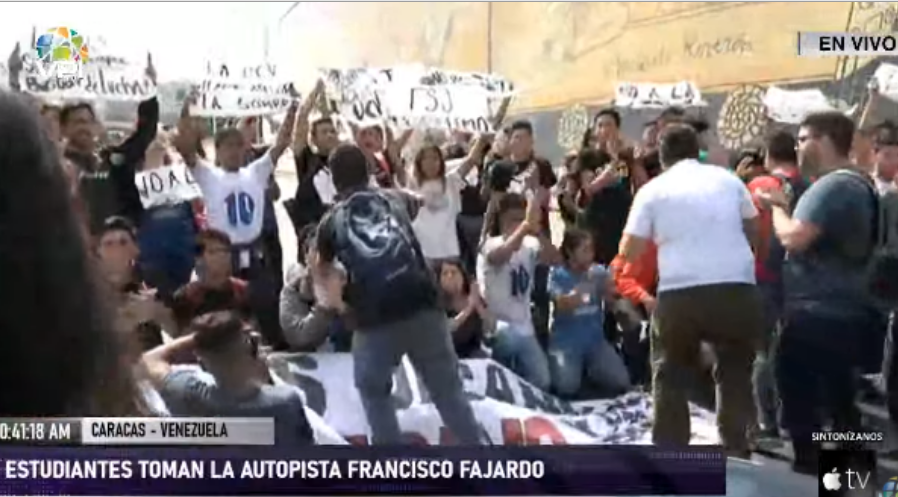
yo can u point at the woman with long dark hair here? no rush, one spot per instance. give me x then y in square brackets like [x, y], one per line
[435, 224]
[469, 319]
[60, 354]
[579, 289]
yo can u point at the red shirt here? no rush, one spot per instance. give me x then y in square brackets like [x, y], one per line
[765, 218]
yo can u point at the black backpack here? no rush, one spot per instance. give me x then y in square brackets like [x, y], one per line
[882, 270]
[389, 279]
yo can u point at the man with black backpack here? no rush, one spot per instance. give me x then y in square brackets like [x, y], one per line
[829, 314]
[391, 295]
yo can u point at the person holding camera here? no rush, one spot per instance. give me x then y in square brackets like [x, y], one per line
[240, 385]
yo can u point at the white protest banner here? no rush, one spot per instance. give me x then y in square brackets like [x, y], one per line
[408, 96]
[885, 80]
[254, 90]
[511, 411]
[441, 107]
[356, 94]
[791, 106]
[168, 185]
[101, 78]
[493, 84]
[656, 96]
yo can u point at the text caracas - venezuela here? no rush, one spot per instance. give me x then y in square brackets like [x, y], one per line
[170, 429]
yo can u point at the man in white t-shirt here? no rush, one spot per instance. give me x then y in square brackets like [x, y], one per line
[506, 268]
[235, 195]
[702, 219]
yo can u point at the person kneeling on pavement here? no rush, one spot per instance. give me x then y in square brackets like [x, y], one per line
[578, 288]
[235, 381]
[469, 319]
[506, 268]
[313, 314]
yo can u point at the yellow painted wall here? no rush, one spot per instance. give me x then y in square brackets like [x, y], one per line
[716, 45]
[560, 53]
[449, 34]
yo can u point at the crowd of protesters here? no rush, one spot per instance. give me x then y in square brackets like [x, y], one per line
[769, 278]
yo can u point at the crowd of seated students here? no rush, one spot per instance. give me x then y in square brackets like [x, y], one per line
[200, 284]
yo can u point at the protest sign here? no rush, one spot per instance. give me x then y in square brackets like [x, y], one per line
[511, 410]
[412, 96]
[656, 96]
[792, 106]
[495, 85]
[102, 78]
[232, 91]
[885, 79]
[168, 185]
[441, 107]
[356, 94]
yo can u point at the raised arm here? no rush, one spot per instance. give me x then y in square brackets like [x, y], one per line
[393, 152]
[187, 133]
[285, 134]
[301, 126]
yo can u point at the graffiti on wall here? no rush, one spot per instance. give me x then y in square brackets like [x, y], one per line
[562, 53]
[566, 57]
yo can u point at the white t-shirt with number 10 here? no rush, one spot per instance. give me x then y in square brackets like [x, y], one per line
[235, 200]
[507, 287]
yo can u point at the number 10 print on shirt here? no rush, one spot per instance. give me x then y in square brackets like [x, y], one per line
[520, 282]
[240, 207]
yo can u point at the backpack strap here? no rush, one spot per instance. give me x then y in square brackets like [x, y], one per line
[881, 233]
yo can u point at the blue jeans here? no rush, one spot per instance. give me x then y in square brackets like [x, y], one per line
[603, 366]
[167, 241]
[518, 349]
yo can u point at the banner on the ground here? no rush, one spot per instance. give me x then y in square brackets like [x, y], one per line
[657, 96]
[243, 91]
[792, 106]
[885, 80]
[99, 79]
[510, 410]
[414, 96]
[167, 185]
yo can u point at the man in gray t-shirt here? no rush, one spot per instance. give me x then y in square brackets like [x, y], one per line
[237, 383]
[829, 320]
[828, 277]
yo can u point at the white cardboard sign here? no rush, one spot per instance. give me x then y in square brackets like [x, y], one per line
[792, 106]
[657, 96]
[100, 79]
[886, 80]
[412, 96]
[168, 185]
[243, 91]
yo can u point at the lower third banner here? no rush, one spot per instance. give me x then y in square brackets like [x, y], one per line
[580, 470]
